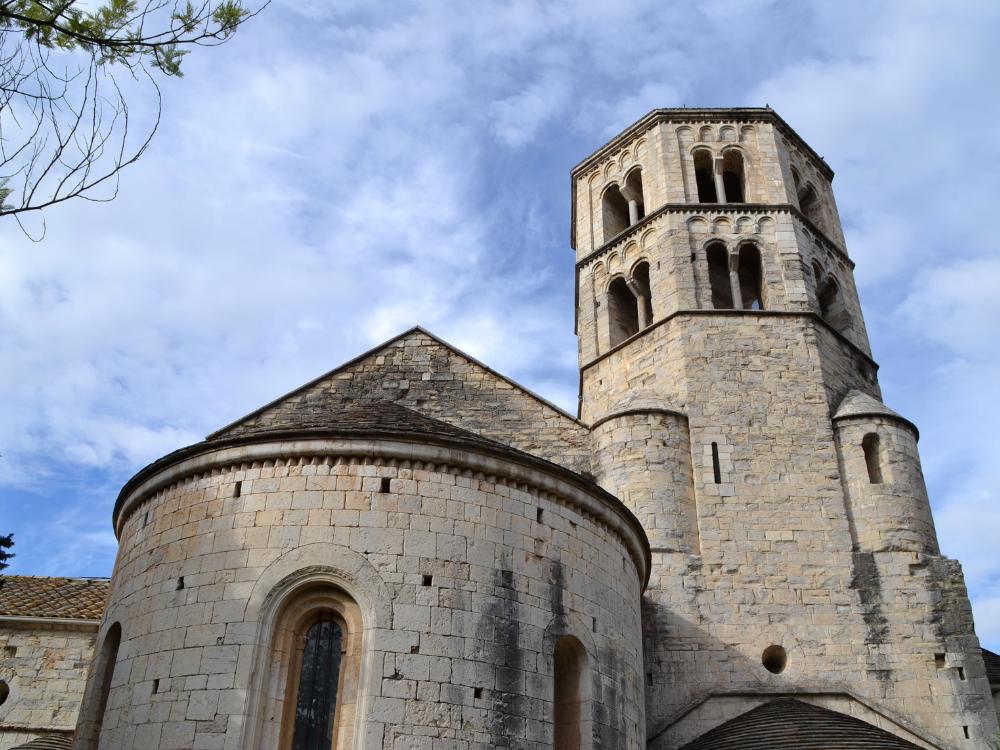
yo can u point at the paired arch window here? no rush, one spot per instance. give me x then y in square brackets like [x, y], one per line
[621, 207]
[95, 701]
[741, 289]
[720, 180]
[630, 304]
[569, 695]
[311, 684]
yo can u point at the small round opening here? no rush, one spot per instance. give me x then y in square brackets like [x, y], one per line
[774, 659]
[4, 692]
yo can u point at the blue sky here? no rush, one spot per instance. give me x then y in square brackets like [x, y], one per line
[342, 171]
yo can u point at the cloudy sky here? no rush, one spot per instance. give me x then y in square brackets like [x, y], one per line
[344, 170]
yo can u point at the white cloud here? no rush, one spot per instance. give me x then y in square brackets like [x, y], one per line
[341, 172]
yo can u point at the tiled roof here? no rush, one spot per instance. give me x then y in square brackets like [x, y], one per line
[787, 724]
[48, 742]
[379, 417]
[61, 598]
[992, 666]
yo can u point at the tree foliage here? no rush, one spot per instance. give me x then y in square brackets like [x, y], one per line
[64, 118]
[6, 542]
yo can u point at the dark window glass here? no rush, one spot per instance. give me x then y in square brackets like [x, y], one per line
[316, 704]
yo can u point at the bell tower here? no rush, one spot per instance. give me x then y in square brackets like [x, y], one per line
[727, 377]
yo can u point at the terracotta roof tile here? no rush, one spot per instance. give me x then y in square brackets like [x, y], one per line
[47, 742]
[61, 598]
[787, 724]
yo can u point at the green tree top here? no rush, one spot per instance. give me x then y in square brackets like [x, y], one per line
[6, 542]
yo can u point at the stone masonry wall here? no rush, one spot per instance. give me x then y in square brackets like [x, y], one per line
[777, 565]
[461, 662]
[46, 670]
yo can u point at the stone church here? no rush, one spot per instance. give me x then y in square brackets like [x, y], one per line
[729, 546]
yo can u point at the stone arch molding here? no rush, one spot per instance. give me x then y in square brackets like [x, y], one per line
[293, 572]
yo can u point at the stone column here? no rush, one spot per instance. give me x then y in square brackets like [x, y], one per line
[720, 186]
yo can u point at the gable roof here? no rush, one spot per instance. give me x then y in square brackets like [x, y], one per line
[788, 724]
[54, 598]
[374, 351]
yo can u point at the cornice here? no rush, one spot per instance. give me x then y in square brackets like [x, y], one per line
[682, 115]
[723, 208]
[510, 465]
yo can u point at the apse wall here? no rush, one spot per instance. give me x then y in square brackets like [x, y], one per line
[454, 574]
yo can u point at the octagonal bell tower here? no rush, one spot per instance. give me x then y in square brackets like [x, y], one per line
[728, 381]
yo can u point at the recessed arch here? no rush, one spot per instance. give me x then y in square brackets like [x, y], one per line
[95, 699]
[570, 695]
[705, 134]
[311, 688]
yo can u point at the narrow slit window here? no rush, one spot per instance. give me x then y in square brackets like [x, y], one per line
[716, 468]
[873, 459]
[238, 489]
[718, 277]
[384, 485]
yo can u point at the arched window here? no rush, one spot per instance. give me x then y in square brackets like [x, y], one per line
[704, 176]
[718, 277]
[809, 205]
[614, 212]
[311, 677]
[733, 176]
[873, 457]
[632, 191]
[95, 700]
[831, 304]
[750, 278]
[640, 281]
[569, 694]
[623, 311]
[319, 679]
